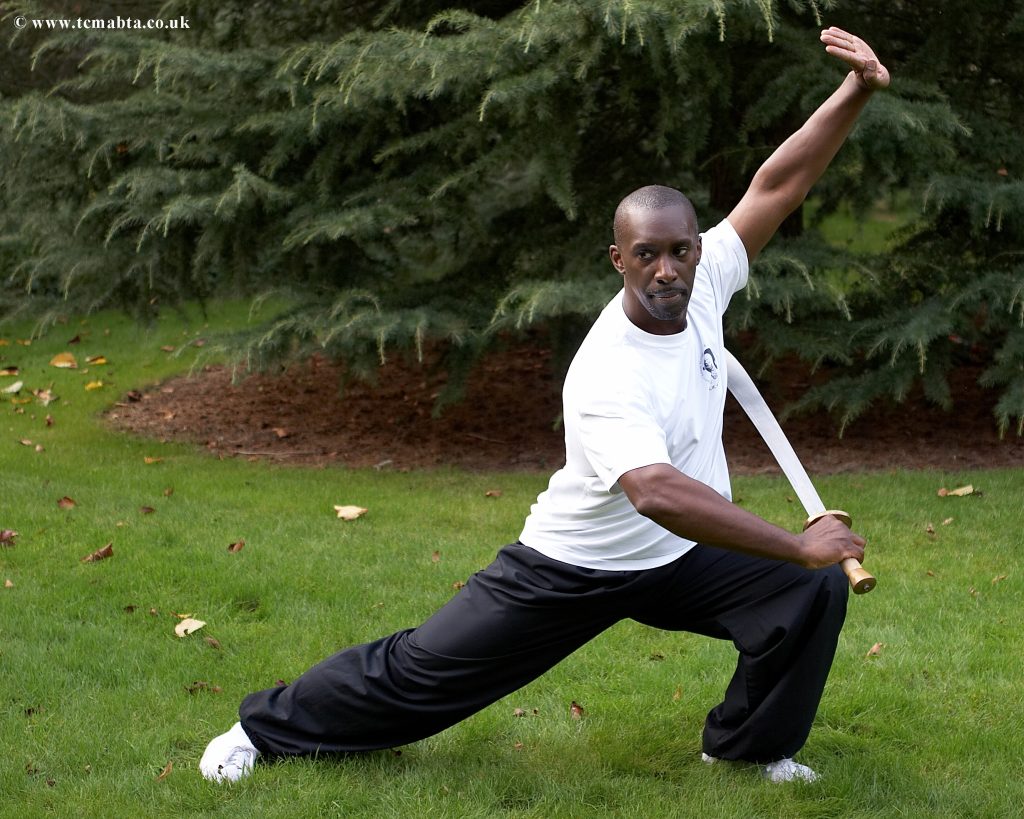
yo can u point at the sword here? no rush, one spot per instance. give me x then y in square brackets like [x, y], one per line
[743, 390]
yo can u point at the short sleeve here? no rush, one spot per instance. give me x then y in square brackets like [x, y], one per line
[618, 433]
[724, 259]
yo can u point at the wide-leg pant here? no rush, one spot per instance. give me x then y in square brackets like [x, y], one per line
[525, 612]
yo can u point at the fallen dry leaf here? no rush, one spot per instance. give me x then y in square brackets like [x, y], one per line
[8, 584]
[65, 361]
[147, 459]
[519, 712]
[959, 492]
[576, 710]
[65, 503]
[146, 510]
[9, 371]
[517, 746]
[166, 771]
[25, 342]
[168, 491]
[281, 432]
[167, 348]
[25, 442]
[999, 578]
[212, 642]
[7, 537]
[350, 512]
[44, 397]
[100, 554]
[458, 584]
[40, 448]
[237, 546]
[13, 388]
[435, 557]
[492, 493]
[947, 521]
[875, 650]
[677, 694]
[96, 359]
[188, 626]
[94, 385]
[203, 685]
[929, 529]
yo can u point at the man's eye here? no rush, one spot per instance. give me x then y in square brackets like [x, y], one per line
[681, 251]
[645, 255]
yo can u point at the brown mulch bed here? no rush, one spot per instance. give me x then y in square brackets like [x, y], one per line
[507, 421]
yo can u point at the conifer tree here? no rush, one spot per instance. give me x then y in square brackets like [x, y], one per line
[414, 171]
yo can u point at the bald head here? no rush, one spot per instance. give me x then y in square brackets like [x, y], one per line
[649, 197]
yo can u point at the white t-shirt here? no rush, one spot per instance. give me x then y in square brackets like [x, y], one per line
[633, 399]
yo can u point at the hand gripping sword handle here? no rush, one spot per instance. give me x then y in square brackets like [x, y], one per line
[861, 580]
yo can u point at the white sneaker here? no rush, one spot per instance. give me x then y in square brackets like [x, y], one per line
[229, 757]
[786, 770]
[782, 770]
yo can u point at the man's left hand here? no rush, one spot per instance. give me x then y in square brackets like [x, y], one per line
[857, 54]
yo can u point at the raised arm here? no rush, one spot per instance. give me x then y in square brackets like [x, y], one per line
[783, 181]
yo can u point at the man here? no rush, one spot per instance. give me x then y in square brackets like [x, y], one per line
[637, 524]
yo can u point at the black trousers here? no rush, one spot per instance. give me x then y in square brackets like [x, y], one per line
[525, 612]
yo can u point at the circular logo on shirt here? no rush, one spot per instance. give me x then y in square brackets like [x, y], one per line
[709, 368]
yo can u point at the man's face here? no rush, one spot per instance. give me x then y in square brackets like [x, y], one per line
[657, 257]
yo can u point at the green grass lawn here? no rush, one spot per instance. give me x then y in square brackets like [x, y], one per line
[98, 696]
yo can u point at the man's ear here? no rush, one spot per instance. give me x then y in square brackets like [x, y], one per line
[616, 257]
[700, 248]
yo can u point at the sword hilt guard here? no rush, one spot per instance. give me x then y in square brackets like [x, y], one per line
[861, 580]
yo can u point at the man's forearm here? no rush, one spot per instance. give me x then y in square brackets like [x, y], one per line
[797, 163]
[695, 511]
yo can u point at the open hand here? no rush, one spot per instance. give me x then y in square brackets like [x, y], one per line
[857, 54]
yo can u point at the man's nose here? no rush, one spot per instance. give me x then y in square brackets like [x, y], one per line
[666, 270]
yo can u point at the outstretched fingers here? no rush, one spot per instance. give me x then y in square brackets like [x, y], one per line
[857, 54]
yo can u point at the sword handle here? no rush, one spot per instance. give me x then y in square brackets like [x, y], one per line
[861, 580]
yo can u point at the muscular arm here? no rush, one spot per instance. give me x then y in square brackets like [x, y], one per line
[694, 510]
[783, 181]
